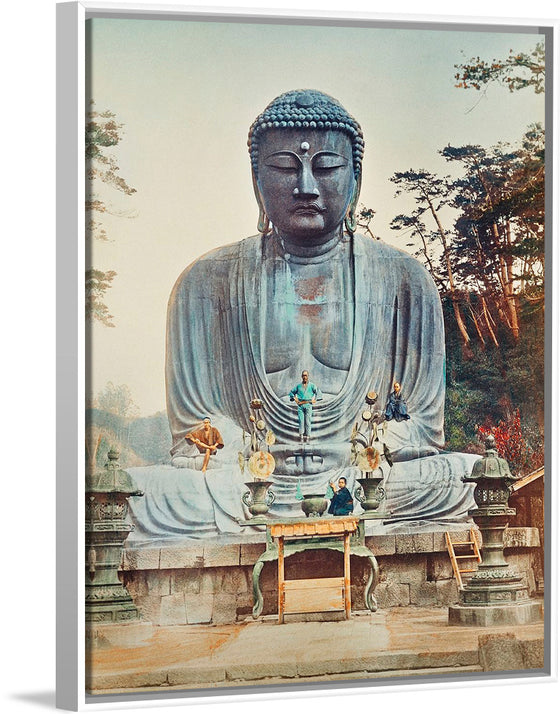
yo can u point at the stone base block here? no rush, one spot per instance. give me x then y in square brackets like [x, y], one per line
[199, 582]
[129, 634]
[521, 613]
[503, 651]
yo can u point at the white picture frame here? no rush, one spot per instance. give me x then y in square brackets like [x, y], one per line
[71, 357]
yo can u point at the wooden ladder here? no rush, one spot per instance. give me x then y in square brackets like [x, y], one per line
[455, 558]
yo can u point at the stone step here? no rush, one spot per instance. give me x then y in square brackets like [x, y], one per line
[416, 641]
[454, 672]
[389, 665]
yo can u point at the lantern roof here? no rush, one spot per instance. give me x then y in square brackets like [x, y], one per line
[112, 479]
[491, 466]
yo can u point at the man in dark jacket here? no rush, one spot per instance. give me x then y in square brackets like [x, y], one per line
[342, 503]
[396, 406]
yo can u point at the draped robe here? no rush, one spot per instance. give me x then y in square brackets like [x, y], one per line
[217, 339]
[217, 336]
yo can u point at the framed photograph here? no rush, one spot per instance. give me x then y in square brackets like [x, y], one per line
[304, 307]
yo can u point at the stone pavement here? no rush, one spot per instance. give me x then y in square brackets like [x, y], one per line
[397, 642]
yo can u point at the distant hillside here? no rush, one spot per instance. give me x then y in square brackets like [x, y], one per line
[142, 441]
[151, 439]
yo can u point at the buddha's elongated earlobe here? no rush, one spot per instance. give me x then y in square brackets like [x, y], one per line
[350, 220]
[263, 225]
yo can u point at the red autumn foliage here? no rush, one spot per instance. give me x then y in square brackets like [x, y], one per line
[512, 445]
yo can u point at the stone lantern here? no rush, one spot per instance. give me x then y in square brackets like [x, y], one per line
[107, 494]
[495, 595]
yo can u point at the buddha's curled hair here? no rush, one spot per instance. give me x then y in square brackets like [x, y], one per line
[306, 109]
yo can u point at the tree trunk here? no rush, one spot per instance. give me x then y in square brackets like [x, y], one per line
[487, 286]
[505, 276]
[458, 317]
[511, 299]
[475, 321]
[426, 253]
[487, 319]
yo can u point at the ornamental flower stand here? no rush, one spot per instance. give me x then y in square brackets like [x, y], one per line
[258, 498]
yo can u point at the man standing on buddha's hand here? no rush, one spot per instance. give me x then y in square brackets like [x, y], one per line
[305, 394]
[206, 439]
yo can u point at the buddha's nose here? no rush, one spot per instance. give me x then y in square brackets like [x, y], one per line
[306, 185]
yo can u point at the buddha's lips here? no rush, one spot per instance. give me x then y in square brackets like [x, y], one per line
[309, 208]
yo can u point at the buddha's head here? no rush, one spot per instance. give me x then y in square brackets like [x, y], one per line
[306, 157]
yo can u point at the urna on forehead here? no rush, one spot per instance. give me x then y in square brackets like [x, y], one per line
[307, 109]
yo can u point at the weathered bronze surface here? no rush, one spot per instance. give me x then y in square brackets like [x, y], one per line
[308, 292]
[258, 498]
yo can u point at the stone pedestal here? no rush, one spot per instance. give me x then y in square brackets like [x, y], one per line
[522, 613]
[209, 581]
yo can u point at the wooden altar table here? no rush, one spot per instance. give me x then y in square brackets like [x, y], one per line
[287, 537]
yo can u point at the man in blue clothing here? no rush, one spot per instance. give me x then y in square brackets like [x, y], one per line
[342, 503]
[305, 395]
[396, 406]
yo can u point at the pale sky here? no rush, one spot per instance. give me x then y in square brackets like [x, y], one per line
[187, 93]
